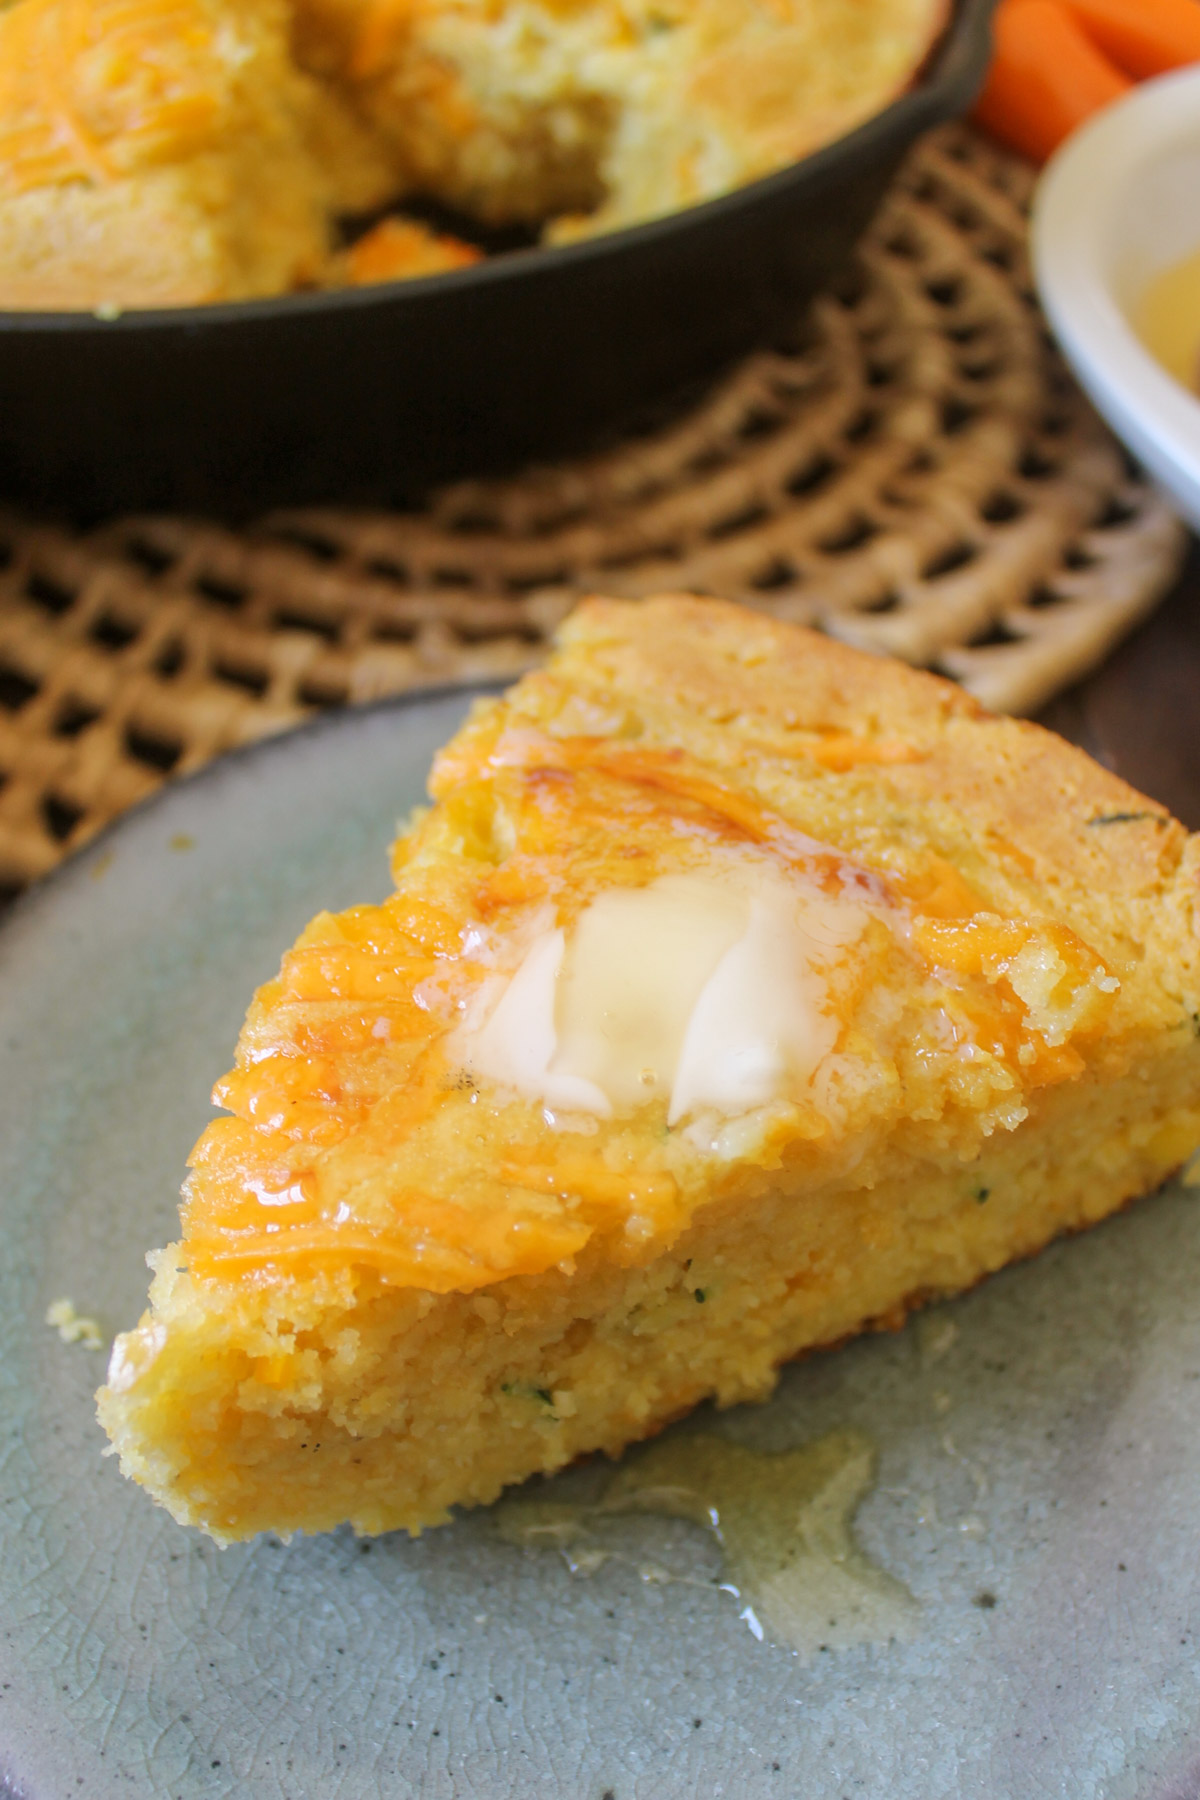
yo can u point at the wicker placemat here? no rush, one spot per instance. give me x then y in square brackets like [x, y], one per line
[917, 474]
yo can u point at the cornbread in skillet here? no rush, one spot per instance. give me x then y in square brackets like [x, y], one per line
[614, 110]
[738, 992]
[167, 152]
[163, 152]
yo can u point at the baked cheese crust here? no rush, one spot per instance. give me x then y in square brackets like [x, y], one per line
[614, 111]
[170, 152]
[167, 152]
[739, 992]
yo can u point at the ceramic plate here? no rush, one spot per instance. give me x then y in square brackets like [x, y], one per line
[1038, 1445]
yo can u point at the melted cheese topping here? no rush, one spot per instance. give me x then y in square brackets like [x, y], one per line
[586, 925]
[708, 989]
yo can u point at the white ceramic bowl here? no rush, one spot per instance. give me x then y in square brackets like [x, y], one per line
[1119, 203]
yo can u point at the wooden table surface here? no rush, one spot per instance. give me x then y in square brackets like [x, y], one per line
[1140, 713]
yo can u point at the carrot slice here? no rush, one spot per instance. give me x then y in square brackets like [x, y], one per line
[398, 249]
[1047, 77]
[1143, 37]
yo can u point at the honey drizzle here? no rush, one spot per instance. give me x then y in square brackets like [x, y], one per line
[784, 1523]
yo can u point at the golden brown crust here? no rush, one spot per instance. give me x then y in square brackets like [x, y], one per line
[164, 152]
[1044, 807]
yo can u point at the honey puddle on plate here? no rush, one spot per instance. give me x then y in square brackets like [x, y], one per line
[1167, 319]
[783, 1520]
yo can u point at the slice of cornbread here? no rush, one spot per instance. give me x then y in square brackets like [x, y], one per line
[739, 992]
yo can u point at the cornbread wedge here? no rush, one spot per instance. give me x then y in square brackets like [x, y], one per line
[739, 992]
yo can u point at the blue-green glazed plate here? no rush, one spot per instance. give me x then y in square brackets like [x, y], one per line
[1038, 1443]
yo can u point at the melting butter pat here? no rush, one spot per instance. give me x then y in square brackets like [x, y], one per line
[708, 990]
[1167, 319]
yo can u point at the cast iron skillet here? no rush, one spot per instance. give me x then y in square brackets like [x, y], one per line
[368, 396]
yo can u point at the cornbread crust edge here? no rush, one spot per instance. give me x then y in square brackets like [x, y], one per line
[391, 1404]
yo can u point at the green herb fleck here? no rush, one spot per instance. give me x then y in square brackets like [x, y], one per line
[699, 1296]
[522, 1390]
[981, 1194]
[1127, 818]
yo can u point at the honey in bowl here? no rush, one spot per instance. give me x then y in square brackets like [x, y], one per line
[1167, 319]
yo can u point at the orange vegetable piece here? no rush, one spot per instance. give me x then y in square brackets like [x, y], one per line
[1143, 37]
[399, 249]
[1047, 77]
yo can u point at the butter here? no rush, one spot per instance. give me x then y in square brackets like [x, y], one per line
[1167, 319]
[519, 1041]
[638, 963]
[709, 990]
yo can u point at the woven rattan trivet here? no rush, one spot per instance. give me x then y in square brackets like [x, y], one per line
[917, 475]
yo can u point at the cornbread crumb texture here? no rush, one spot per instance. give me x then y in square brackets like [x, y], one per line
[163, 152]
[443, 1240]
[528, 109]
[74, 1327]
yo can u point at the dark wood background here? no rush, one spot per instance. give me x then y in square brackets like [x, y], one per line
[1139, 714]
